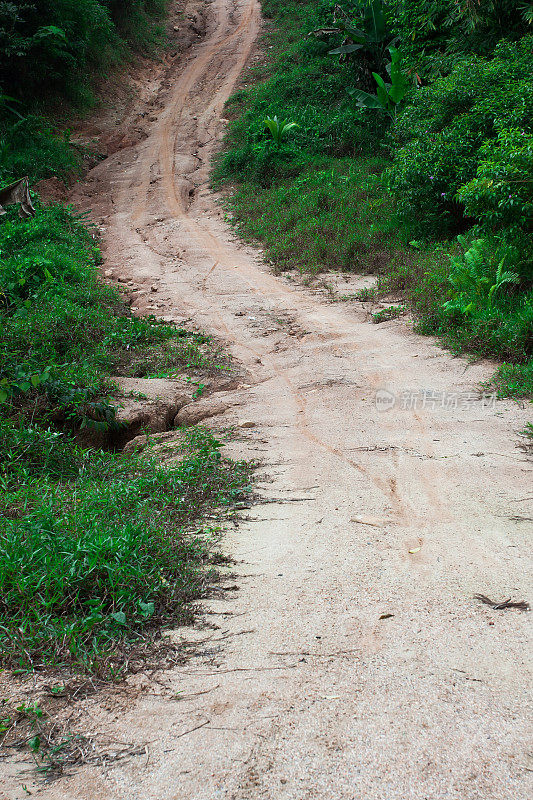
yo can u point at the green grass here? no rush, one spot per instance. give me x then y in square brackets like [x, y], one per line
[98, 549]
[64, 332]
[333, 216]
[33, 147]
[502, 330]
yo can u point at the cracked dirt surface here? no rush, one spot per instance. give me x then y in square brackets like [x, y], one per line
[352, 663]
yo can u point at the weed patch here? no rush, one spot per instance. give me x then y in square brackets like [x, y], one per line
[333, 215]
[96, 547]
[64, 331]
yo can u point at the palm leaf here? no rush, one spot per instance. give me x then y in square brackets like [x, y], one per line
[365, 100]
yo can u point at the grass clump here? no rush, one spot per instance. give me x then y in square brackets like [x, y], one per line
[470, 294]
[97, 548]
[333, 215]
[65, 332]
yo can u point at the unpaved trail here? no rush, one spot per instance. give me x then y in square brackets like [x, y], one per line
[304, 690]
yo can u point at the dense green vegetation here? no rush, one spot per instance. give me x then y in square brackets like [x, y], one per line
[53, 49]
[97, 549]
[412, 158]
[63, 331]
[51, 54]
[94, 546]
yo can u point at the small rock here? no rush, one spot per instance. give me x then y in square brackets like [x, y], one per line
[246, 423]
[108, 273]
[154, 287]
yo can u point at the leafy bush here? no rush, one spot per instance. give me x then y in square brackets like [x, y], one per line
[477, 278]
[443, 135]
[433, 32]
[501, 194]
[469, 293]
[364, 34]
[390, 96]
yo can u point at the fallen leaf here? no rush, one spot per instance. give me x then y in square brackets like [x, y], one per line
[386, 616]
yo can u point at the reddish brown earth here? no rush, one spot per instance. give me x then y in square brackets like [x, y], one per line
[352, 663]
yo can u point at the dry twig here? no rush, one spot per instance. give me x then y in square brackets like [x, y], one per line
[498, 606]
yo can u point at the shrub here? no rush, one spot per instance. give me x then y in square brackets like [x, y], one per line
[477, 277]
[433, 33]
[501, 194]
[49, 48]
[443, 135]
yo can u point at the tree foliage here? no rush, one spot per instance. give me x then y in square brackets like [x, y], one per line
[52, 47]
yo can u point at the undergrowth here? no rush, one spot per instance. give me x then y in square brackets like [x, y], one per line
[96, 549]
[64, 331]
[333, 215]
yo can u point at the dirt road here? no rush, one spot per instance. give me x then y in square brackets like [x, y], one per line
[352, 663]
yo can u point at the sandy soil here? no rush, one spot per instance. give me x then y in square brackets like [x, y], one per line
[352, 662]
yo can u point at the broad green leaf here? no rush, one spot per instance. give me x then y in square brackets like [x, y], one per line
[397, 93]
[147, 609]
[288, 125]
[383, 96]
[345, 48]
[378, 20]
[380, 82]
[365, 100]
